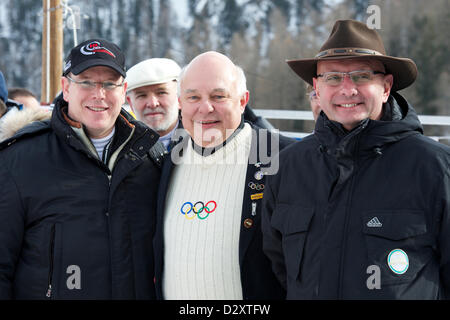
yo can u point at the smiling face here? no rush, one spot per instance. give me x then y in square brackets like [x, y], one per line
[348, 103]
[211, 106]
[97, 109]
[156, 105]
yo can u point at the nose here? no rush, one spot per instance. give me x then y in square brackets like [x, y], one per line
[348, 88]
[99, 91]
[205, 106]
[152, 101]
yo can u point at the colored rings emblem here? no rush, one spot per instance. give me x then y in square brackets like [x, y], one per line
[198, 209]
[256, 186]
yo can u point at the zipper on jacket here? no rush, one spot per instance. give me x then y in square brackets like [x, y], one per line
[51, 260]
[347, 217]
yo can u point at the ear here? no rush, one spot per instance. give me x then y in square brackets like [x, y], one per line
[65, 88]
[388, 82]
[315, 86]
[244, 100]
[129, 102]
[125, 86]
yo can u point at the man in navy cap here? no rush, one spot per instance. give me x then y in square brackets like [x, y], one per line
[76, 221]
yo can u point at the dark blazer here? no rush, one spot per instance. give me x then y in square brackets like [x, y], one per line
[258, 280]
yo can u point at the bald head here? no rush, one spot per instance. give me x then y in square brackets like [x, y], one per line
[212, 59]
[208, 59]
[213, 96]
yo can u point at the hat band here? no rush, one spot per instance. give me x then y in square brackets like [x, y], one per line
[346, 52]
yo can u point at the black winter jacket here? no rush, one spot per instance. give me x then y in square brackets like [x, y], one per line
[362, 214]
[69, 227]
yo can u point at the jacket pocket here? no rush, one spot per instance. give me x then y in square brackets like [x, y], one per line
[396, 242]
[293, 223]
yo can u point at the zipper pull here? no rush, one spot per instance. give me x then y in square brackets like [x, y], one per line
[253, 208]
[49, 291]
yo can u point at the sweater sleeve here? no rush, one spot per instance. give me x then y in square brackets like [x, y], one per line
[11, 232]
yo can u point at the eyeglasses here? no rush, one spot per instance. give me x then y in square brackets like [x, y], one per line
[358, 77]
[91, 85]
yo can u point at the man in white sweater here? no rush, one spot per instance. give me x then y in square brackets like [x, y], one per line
[208, 240]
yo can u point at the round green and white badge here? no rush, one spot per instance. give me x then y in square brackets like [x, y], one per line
[398, 261]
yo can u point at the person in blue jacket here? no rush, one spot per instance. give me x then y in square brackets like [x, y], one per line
[3, 95]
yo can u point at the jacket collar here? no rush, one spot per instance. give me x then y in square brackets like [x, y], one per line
[126, 126]
[399, 121]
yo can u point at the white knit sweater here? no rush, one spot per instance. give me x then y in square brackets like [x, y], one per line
[201, 256]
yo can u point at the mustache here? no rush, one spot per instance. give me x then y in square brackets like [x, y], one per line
[155, 110]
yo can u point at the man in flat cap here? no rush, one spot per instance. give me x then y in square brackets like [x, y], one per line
[361, 208]
[78, 196]
[152, 95]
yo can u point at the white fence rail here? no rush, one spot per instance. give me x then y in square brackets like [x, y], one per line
[307, 115]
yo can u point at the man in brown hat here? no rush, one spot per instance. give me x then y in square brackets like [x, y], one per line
[360, 209]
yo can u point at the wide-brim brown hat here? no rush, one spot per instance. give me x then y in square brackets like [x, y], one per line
[352, 39]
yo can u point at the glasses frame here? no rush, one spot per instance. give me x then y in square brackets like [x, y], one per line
[350, 74]
[91, 85]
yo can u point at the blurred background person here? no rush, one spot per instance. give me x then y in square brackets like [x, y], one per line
[152, 95]
[3, 95]
[13, 116]
[24, 96]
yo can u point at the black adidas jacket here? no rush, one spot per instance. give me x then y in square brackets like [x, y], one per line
[362, 214]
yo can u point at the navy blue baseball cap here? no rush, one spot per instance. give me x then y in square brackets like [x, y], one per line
[92, 53]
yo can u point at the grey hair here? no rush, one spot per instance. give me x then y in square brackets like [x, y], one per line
[241, 81]
[180, 78]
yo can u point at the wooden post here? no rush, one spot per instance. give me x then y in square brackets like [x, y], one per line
[44, 94]
[52, 50]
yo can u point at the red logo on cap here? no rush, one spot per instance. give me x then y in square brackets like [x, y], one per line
[93, 48]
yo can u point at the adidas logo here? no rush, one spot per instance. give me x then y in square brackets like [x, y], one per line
[374, 223]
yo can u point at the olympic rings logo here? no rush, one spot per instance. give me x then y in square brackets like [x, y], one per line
[256, 186]
[197, 209]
